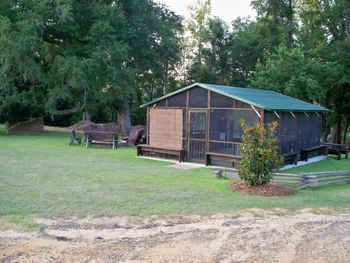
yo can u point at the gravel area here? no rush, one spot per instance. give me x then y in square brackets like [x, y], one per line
[304, 237]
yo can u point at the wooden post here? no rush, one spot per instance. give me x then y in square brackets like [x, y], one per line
[187, 125]
[208, 123]
[147, 125]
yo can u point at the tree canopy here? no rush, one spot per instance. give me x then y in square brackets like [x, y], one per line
[97, 59]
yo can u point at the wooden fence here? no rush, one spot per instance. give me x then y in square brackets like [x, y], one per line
[304, 180]
[310, 180]
[319, 179]
[287, 179]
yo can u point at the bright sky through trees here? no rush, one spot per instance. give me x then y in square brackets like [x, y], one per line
[225, 9]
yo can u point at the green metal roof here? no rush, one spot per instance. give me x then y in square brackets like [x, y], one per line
[264, 99]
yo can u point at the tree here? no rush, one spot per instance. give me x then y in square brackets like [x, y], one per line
[259, 153]
[154, 50]
[325, 35]
[83, 57]
[196, 25]
[278, 17]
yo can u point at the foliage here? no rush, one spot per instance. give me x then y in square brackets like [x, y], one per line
[76, 56]
[105, 58]
[260, 153]
[293, 73]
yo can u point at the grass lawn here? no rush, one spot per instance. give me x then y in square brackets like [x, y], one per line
[41, 176]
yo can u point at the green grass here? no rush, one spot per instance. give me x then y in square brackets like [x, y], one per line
[41, 176]
[331, 164]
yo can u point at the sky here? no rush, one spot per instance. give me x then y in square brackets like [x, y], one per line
[227, 10]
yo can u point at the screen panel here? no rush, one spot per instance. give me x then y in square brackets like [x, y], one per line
[225, 124]
[198, 98]
[220, 101]
[178, 100]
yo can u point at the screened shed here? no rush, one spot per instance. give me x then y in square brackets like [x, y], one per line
[201, 123]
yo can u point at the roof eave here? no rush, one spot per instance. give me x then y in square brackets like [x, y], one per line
[227, 95]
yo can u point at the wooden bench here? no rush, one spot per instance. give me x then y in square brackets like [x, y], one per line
[222, 157]
[337, 149]
[320, 149]
[74, 138]
[149, 150]
[290, 158]
[101, 138]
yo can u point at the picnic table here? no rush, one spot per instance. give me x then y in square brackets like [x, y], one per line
[338, 149]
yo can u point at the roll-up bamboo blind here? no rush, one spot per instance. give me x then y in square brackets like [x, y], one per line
[166, 128]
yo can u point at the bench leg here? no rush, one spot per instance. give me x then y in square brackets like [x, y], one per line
[347, 155]
[207, 160]
[139, 152]
[87, 142]
[114, 145]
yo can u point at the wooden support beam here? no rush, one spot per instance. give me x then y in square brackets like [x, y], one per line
[292, 114]
[257, 113]
[278, 116]
[318, 115]
[307, 115]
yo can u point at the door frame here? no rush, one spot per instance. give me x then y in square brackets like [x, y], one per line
[188, 128]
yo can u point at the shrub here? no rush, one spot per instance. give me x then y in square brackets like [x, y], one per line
[260, 153]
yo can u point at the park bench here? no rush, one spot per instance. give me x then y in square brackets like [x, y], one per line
[209, 156]
[319, 150]
[290, 158]
[101, 138]
[149, 150]
[74, 138]
[338, 149]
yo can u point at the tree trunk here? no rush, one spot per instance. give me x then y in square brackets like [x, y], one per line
[336, 133]
[327, 128]
[333, 134]
[86, 115]
[166, 81]
[289, 35]
[124, 119]
[346, 130]
[338, 138]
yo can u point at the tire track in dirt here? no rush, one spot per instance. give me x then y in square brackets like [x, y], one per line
[303, 237]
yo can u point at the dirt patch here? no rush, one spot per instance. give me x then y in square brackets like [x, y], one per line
[183, 166]
[294, 238]
[263, 190]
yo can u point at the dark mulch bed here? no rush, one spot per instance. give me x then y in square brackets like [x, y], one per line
[263, 190]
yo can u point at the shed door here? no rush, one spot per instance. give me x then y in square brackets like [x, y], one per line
[197, 136]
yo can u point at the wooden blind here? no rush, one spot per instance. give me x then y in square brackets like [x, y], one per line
[166, 127]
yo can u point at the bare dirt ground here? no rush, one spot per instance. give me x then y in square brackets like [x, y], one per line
[303, 237]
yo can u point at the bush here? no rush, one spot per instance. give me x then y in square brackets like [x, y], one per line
[260, 153]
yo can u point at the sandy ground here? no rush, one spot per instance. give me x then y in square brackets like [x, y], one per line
[303, 237]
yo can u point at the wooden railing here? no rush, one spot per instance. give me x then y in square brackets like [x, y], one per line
[287, 179]
[319, 179]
